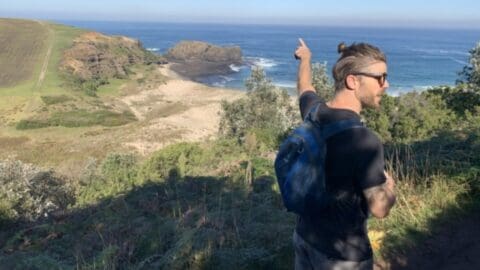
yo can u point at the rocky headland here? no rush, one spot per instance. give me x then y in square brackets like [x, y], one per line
[195, 59]
[94, 55]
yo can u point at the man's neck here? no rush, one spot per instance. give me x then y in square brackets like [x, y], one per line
[346, 100]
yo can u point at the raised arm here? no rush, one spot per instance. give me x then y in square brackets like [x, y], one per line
[304, 81]
[381, 198]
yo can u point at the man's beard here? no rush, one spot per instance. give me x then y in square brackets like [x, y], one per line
[369, 102]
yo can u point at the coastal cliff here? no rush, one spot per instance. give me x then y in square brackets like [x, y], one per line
[194, 59]
[94, 55]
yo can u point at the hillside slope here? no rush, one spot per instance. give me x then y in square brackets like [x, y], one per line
[85, 88]
[22, 47]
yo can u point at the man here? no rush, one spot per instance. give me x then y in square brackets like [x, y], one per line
[355, 176]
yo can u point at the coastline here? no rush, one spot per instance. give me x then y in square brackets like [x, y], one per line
[177, 111]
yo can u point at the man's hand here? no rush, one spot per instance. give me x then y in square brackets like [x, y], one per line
[304, 81]
[381, 198]
[302, 52]
[389, 183]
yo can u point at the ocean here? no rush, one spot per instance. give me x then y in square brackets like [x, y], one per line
[417, 58]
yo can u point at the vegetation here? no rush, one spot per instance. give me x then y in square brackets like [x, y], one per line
[29, 193]
[55, 99]
[411, 117]
[216, 205]
[470, 74]
[87, 86]
[79, 118]
[265, 108]
[322, 82]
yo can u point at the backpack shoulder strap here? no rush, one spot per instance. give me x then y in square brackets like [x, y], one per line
[312, 113]
[337, 127]
[329, 130]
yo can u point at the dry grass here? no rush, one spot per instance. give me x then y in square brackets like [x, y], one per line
[23, 44]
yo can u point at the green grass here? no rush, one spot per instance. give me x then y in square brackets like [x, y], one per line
[55, 99]
[112, 88]
[176, 219]
[194, 205]
[437, 182]
[24, 92]
[63, 39]
[60, 37]
[79, 118]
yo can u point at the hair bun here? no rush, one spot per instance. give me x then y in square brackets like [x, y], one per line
[341, 47]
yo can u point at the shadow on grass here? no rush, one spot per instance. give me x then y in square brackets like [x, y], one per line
[206, 222]
[452, 234]
[452, 242]
[180, 223]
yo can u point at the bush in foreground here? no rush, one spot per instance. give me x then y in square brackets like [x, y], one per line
[264, 107]
[29, 193]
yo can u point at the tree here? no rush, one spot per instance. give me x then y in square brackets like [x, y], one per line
[410, 117]
[265, 108]
[471, 73]
[321, 81]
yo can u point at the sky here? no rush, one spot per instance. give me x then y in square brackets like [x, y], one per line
[415, 13]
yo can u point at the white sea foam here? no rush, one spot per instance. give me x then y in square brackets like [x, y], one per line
[285, 84]
[235, 68]
[397, 91]
[439, 51]
[261, 62]
[465, 63]
[153, 49]
[218, 84]
[223, 78]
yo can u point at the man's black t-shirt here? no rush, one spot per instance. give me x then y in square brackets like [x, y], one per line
[354, 162]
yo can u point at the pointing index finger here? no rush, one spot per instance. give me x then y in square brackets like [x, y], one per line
[302, 42]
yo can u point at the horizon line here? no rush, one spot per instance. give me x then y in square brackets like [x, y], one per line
[385, 25]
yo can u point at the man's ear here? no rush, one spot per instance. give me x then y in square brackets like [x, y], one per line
[351, 82]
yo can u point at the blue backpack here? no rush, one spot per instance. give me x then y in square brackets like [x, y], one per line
[300, 164]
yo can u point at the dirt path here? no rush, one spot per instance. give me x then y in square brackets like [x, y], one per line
[455, 246]
[46, 60]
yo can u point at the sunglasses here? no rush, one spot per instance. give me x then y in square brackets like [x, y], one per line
[381, 78]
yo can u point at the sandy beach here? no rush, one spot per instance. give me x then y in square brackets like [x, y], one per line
[180, 110]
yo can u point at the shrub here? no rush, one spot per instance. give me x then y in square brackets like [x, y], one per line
[471, 72]
[88, 86]
[264, 107]
[322, 82]
[79, 118]
[116, 174]
[31, 124]
[29, 193]
[50, 100]
[174, 160]
[410, 117]
[460, 99]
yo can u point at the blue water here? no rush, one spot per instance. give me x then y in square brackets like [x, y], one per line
[417, 58]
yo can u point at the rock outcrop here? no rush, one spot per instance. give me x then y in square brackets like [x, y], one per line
[94, 55]
[194, 59]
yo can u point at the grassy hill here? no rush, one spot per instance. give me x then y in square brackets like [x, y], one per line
[24, 45]
[31, 64]
[201, 205]
[42, 97]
